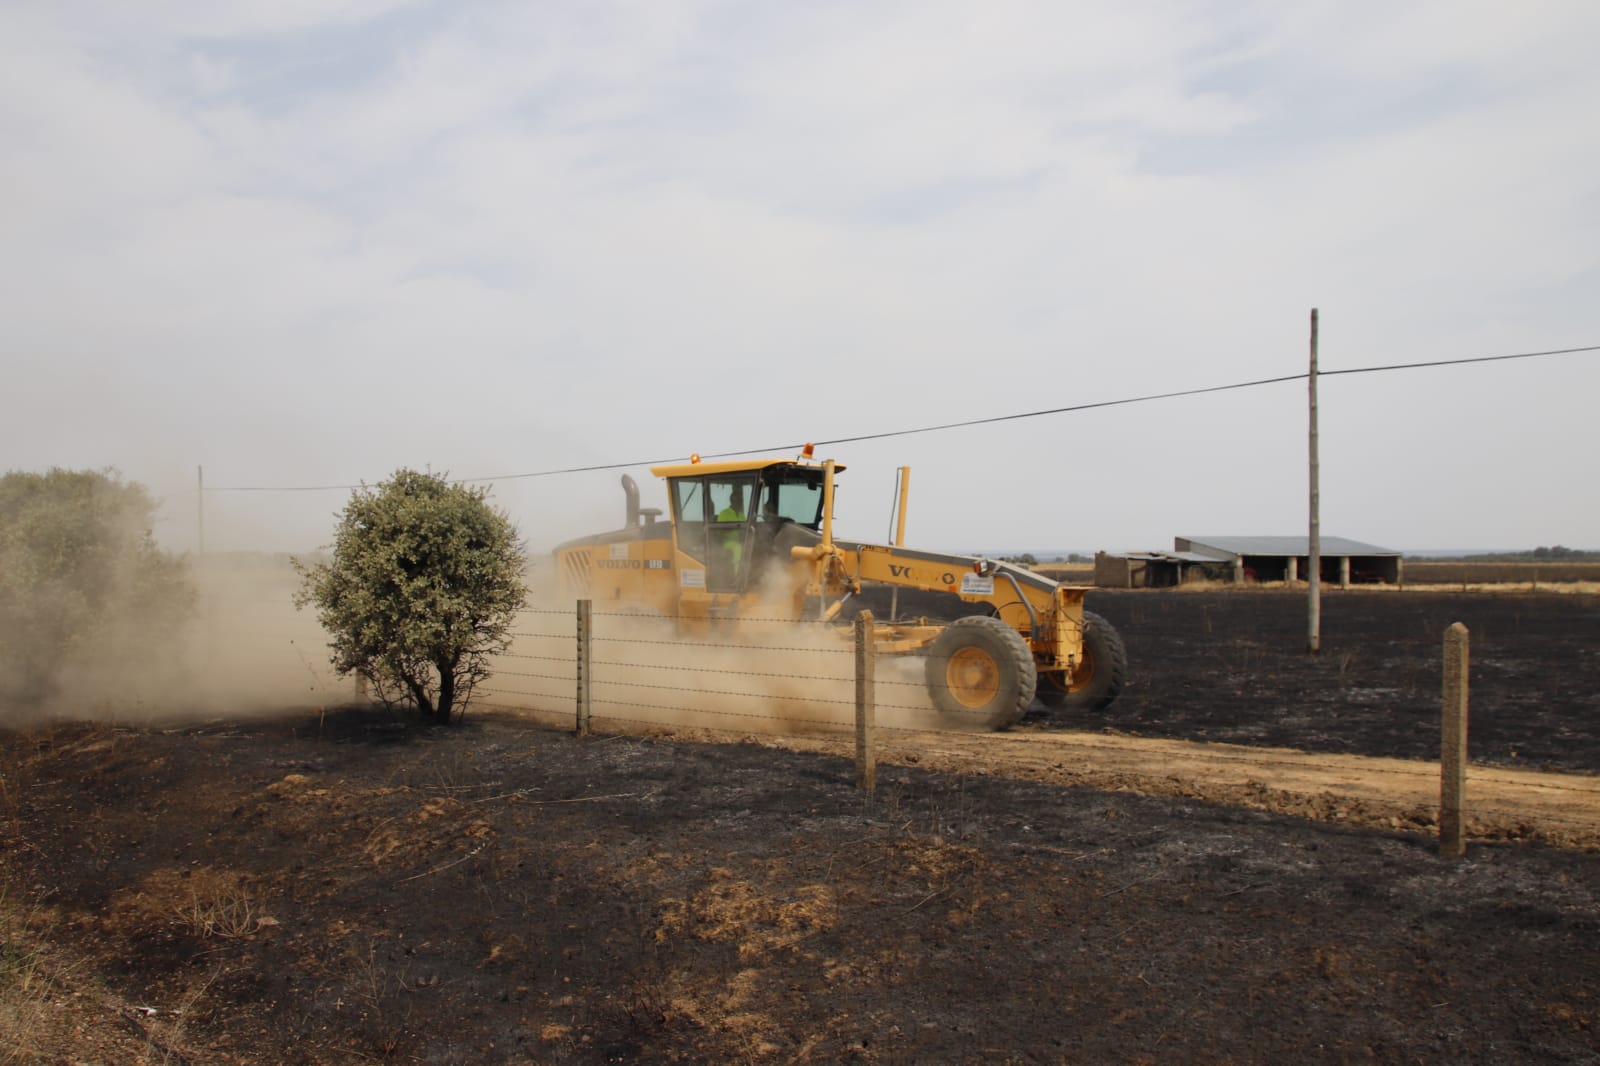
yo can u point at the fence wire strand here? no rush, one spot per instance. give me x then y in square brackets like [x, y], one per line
[785, 715]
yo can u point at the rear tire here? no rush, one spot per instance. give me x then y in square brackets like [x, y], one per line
[980, 673]
[1099, 679]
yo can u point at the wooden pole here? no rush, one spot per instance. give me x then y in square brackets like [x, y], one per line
[866, 697]
[1314, 564]
[584, 642]
[902, 496]
[1453, 746]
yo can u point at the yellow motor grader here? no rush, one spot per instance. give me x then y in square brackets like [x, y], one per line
[755, 539]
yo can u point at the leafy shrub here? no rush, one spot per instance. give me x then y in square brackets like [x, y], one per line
[423, 582]
[82, 584]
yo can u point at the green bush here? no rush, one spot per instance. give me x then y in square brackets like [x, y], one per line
[424, 580]
[83, 588]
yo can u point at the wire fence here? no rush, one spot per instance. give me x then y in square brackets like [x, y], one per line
[755, 677]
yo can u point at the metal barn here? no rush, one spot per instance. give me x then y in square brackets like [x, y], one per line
[1243, 560]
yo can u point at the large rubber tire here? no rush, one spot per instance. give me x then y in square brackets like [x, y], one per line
[1099, 680]
[980, 673]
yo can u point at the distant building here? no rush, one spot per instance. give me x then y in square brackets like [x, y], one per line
[1157, 569]
[1345, 562]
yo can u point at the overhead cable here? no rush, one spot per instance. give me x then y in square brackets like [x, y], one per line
[796, 446]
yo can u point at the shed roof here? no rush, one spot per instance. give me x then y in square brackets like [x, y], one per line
[1285, 546]
[1166, 557]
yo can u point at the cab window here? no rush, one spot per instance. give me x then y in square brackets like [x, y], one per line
[794, 495]
[711, 516]
[689, 505]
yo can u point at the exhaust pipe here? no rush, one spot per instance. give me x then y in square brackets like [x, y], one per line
[630, 491]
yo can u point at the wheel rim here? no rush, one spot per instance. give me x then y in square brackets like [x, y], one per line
[972, 676]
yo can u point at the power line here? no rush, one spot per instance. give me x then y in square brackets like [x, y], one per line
[1456, 362]
[794, 447]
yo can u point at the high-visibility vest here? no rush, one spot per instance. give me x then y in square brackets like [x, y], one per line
[732, 539]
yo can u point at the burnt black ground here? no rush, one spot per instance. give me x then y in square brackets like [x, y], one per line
[507, 893]
[1232, 666]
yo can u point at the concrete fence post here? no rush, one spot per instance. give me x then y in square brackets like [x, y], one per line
[1453, 746]
[585, 637]
[866, 696]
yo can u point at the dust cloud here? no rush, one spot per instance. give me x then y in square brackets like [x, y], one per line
[761, 674]
[243, 649]
[251, 649]
[246, 650]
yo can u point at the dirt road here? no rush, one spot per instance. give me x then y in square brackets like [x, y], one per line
[1502, 803]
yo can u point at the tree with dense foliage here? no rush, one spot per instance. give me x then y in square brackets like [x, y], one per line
[84, 591]
[423, 583]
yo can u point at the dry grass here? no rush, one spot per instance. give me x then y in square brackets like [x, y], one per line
[24, 983]
[1580, 588]
[223, 910]
[50, 1013]
[204, 902]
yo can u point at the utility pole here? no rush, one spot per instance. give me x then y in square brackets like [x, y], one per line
[1314, 563]
[200, 510]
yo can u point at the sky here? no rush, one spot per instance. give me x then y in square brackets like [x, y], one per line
[306, 243]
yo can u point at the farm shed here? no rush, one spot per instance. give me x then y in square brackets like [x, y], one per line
[1157, 570]
[1344, 561]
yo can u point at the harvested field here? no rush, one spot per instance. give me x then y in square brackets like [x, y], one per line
[1429, 574]
[351, 887]
[1446, 572]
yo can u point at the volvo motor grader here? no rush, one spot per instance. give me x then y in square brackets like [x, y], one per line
[751, 539]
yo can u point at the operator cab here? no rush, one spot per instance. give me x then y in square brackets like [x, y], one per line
[735, 519]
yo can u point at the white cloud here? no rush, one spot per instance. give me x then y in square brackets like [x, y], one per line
[309, 242]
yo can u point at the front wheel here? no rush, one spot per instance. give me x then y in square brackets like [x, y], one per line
[1099, 677]
[980, 673]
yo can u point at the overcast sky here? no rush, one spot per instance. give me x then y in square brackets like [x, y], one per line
[308, 242]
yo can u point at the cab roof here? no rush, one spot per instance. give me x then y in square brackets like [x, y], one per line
[747, 466]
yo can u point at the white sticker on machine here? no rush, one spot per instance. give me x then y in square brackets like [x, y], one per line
[974, 585]
[619, 551]
[692, 579]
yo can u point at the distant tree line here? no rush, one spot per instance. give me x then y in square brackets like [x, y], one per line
[1029, 559]
[1554, 554]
